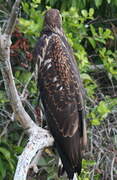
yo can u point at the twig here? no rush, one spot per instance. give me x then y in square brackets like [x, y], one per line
[20, 139]
[94, 20]
[96, 165]
[5, 129]
[112, 164]
[26, 85]
[110, 20]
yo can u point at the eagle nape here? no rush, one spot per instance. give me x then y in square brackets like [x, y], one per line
[62, 93]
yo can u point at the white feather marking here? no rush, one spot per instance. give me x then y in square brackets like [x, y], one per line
[54, 79]
[57, 85]
[75, 177]
[49, 66]
[47, 61]
[60, 162]
[40, 60]
[60, 88]
[44, 51]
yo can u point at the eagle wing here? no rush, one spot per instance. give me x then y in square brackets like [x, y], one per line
[59, 87]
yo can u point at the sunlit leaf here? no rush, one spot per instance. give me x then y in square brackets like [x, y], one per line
[92, 41]
[95, 122]
[91, 12]
[2, 168]
[84, 13]
[98, 3]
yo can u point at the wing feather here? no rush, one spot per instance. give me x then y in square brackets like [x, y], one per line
[63, 95]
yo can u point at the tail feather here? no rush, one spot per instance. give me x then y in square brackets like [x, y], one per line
[69, 150]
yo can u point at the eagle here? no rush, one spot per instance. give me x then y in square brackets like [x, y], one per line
[61, 92]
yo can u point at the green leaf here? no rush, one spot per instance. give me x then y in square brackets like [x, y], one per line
[7, 156]
[91, 12]
[5, 153]
[103, 109]
[93, 30]
[26, 7]
[100, 40]
[24, 77]
[17, 74]
[102, 52]
[3, 98]
[2, 169]
[88, 162]
[85, 76]
[92, 41]
[100, 31]
[108, 34]
[98, 3]
[36, 1]
[109, 1]
[84, 13]
[18, 149]
[95, 122]
[115, 2]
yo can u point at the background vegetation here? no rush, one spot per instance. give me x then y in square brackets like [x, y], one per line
[91, 29]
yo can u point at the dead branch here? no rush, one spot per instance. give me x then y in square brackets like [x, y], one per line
[112, 164]
[37, 142]
[12, 20]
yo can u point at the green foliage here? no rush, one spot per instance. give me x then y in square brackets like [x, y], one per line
[87, 164]
[108, 59]
[3, 98]
[7, 160]
[32, 24]
[23, 77]
[98, 113]
[99, 5]
[89, 83]
[101, 36]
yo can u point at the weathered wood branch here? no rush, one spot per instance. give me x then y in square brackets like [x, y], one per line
[38, 137]
[12, 20]
[37, 142]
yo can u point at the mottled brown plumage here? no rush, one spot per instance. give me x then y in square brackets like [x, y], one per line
[61, 92]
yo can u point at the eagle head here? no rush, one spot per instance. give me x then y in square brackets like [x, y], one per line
[53, 20]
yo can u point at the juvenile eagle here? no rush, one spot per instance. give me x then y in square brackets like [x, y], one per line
[61, 93]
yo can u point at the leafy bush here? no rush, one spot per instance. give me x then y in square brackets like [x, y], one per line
[8, 158]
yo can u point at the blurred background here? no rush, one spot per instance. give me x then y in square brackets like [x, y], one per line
[91, 30]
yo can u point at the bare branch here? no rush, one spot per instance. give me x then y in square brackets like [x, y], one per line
[37, 142]
[12, 20]
[112, 164]
[5, 129]
[26, 85]
[5, 42]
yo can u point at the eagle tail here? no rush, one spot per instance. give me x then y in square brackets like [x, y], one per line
[70, 164]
